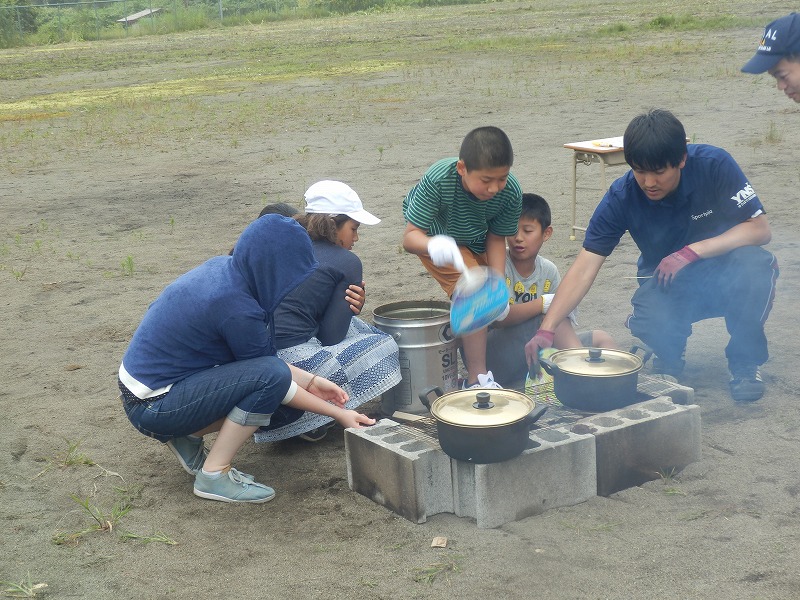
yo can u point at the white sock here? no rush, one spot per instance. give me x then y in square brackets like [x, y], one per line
[212, 474]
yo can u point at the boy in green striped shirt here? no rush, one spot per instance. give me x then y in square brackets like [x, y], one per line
[458, 217]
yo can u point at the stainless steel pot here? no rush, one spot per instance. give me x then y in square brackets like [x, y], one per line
[482, 426]
[594, 379]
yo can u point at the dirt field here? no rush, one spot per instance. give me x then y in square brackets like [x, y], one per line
[126, 164]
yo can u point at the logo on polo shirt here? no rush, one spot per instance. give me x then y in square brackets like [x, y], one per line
[701, 215]
[744, 195]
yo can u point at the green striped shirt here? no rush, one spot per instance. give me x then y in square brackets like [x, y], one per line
[439, 204]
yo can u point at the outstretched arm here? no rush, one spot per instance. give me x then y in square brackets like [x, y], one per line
[570, 292]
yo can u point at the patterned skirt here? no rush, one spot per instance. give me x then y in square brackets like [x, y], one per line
[365, 364]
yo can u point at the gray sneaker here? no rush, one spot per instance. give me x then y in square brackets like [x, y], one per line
[231, 486]
[191, 452]
[746, 384]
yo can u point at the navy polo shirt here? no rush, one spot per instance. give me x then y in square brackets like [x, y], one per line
[712, 196]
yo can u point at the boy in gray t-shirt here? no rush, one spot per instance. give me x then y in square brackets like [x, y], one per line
[532, 280]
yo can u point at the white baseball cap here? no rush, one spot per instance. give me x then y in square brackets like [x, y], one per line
[337, 198]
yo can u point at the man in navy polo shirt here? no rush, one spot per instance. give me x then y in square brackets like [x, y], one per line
[699, 226]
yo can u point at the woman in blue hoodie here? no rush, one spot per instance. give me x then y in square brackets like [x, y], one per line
[203, 359]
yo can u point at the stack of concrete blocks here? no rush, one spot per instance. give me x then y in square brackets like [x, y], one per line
[406, 471]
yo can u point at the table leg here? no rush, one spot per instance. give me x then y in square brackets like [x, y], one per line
[574, 187]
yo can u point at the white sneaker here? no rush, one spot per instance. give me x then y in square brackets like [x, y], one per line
[485, 382]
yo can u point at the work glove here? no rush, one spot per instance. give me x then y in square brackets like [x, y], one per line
[444, 251]
[542, 339]
[546, 300]
[670, 266]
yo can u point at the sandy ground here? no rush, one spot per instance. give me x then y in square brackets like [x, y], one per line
[100, 210]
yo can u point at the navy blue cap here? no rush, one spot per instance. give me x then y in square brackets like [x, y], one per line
[781, 38]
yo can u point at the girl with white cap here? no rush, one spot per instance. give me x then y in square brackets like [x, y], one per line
[315, 325]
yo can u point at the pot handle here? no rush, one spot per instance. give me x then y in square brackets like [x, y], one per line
[423, 395]
[535, 414]
[549, 366]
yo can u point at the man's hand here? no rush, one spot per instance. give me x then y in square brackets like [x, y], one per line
[542, 339]
[444, 251]
[670, 266]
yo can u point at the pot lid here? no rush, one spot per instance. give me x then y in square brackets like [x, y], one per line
[596, 362]
[482, 408]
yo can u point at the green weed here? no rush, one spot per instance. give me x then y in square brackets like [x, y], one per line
[430, 573]
[157, 537]
[774, 134]
[103, 519]
[127, 266]
[23, 589]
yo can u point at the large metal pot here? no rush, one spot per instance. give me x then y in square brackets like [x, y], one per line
[594, 379]
[482, 426]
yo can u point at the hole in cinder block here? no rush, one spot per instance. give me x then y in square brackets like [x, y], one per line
[397, 439]
[414, 446]
[582, 428]
[633, 414]
[549, 435]
[606, 421]
[661, 407]
[378, 429]
[531, 444]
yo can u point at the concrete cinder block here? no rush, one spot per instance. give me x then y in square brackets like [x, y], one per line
[557, 469]
[407, 474]
[636, 443]
[656, 388]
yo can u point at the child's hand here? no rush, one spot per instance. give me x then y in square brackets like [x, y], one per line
[444, 251]
[351, 418]
[327, 390]
[356, 296]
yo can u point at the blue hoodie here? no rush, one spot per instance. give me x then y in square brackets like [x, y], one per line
[221, 311]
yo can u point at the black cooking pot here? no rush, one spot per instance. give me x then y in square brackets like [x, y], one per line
[594, 379]
[482, 426]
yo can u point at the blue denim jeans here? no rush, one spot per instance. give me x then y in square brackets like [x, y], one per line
[245, 391]
[739, 286]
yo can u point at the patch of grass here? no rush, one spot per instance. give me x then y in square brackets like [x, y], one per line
[103, 519]
[773, 135]
[432, 572]
[157, 537]
[24, 589]
[128, 266]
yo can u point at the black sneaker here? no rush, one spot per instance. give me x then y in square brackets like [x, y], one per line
[746, 384]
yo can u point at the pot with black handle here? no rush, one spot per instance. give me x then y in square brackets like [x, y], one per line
[594, 379]
[482, 426]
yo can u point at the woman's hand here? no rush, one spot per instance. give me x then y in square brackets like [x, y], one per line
[356, 296]
[351, 418]
[327, 390]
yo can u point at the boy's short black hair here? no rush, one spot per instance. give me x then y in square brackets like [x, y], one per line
[654, 140]
[279, 208]
[486, 148]
[534, 207]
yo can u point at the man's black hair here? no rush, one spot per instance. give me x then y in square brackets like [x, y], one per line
[654, 140]
[486, 148]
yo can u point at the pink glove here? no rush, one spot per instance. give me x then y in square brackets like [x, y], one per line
[670, 266]
[542, 339]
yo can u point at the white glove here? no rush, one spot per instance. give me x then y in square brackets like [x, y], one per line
[444, 251]
[546, 300]
[504, 314]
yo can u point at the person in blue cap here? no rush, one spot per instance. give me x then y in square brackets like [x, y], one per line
[779, 55]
